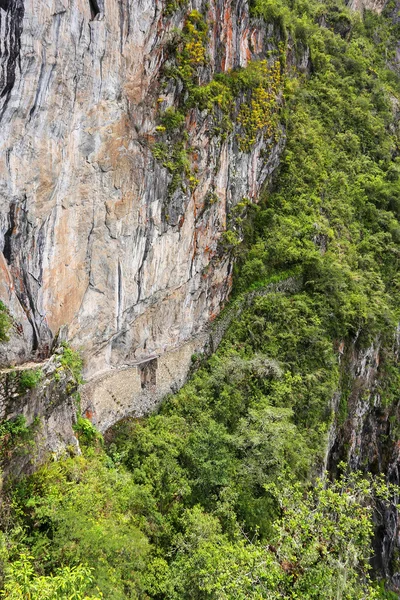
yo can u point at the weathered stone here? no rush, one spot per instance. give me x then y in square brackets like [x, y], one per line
[51, 403]
[365, 435]
[361, 5]
[84, 232]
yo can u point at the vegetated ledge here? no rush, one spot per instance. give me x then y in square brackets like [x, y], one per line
[40, 403]
[137, 390]
[38, 409]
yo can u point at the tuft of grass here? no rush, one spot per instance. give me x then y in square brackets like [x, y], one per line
[5, 322]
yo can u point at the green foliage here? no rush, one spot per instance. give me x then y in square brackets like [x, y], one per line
[175, 158]
[72, 361]
[68, 583]
[334, 213]
[259, 406]
[319, 549]
[229, 240]
[29, 379]
[94, 519]
[172, 6]
[16, 437]
[81, 511]
[191, 54]
[172, 119]
[249, 97]
[5, 323]
[323, 538]
[173, 149]
[383, 594]
[86, 431]
[262, 112]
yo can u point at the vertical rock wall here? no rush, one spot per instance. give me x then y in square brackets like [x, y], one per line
[45, 397]
[366, 435]
[84, 241]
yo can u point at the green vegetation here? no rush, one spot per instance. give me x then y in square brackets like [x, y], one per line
[216, 497]
[173, 5]
[16, 437]
[173, 149]
[72, 361]
[5, 323]
[86, 431]
[139, 542]
[21, 582]
[249, 97]
[81, 510]
[261, 113]
[28, 379]
[176, 158]
[335, 211]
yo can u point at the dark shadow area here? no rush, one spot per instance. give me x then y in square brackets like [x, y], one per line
[94, 8]
[148, 371]
[7, 251]
[10, 51]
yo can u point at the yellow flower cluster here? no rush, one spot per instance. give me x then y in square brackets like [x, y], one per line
[195, 38]
[196, 52]
[261, 113]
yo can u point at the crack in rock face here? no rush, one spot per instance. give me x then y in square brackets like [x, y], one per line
[11, 21]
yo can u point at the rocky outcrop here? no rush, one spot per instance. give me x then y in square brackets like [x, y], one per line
[373, 5]
[44, 394]
[365, 435]
[86, 239]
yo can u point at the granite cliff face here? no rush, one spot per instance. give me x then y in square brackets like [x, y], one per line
[365, 435]
[45, 398]
[86, 243]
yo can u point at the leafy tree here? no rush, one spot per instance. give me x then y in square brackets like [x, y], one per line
[320, 548]
[67, 584]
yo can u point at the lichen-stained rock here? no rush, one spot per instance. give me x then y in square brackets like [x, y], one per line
[44, 394]
[84, 234]
[373, 5]
[365, 436]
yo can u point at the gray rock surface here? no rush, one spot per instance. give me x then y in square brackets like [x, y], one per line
[45, 395]
[365, 435]
[83, 236]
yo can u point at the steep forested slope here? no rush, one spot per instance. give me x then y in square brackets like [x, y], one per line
[209, 498]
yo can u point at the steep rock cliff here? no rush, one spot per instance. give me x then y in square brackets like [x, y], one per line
[38, 409]
[91, 236]
[365, 435]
